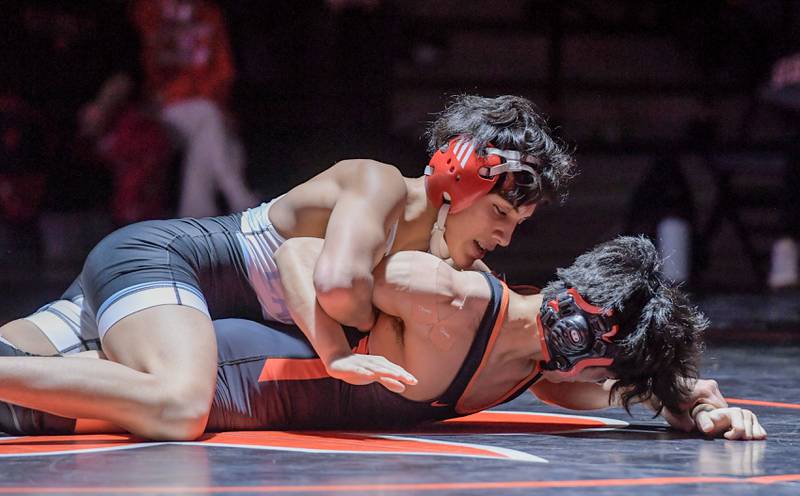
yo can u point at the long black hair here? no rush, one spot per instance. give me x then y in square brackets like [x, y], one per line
[659, 350]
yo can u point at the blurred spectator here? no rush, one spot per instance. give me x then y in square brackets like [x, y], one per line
[662, 208]
[189, 72]
[783, 90]
[73, 65]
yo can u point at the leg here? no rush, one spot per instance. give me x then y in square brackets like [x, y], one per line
[231, 177]
[166, 395]
[223, 154]
[176, 347]
[25, 335]
[154, 320]
[214, 160]
[59, 327]
[197, 195]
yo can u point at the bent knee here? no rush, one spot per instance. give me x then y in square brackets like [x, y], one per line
[180, 417]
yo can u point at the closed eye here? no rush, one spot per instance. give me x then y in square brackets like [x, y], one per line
[500, 212]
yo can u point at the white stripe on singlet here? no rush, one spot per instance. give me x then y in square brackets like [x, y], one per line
[60, 322]
[259, 241]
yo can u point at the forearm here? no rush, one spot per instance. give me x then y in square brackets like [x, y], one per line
[369, 202]
[576, 395]
[346, 301]
[342, 274]
[296, 260]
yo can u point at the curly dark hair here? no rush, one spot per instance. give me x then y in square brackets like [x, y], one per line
[512, 123]
[659, 350]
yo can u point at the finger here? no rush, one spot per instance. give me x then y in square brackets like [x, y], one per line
[737, 429]
[758, 430]
[399, 376]
[748, 425]
[397, 372]
[392, 385]
[403, 375]
[361, 373]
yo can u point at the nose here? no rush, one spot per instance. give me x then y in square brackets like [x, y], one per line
[504, 233]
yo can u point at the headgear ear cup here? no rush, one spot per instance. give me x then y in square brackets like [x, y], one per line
[457, 174]
[575, 334]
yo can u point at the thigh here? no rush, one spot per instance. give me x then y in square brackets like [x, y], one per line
[55, 328]
[174, 343]
[27, 337]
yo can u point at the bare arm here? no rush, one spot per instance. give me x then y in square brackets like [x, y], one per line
[596, 396]
[419, 287]
[296, 259]
[707, 410]
[575, 395]
[370, 199]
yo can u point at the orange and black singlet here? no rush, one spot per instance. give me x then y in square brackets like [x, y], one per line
[270, 378]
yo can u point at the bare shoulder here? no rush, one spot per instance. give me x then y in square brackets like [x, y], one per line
[360, 182]
[370, 177]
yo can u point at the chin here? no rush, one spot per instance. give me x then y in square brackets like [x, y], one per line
[463, 262]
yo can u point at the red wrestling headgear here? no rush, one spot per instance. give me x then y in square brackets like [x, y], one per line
[459, 174]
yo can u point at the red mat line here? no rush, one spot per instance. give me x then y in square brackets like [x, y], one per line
[737, 401]
[647, 481]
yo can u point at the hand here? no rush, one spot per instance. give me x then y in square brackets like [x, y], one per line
[732, 423]
[365, 369]
[704, 391]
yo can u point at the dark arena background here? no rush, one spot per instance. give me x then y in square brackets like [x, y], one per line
[684, 117]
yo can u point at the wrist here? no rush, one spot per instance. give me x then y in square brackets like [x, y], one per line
[698, 408]
[332, 355]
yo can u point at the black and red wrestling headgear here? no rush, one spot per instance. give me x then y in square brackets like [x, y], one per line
[575, 334]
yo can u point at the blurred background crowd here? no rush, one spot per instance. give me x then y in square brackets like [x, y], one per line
[683, 116]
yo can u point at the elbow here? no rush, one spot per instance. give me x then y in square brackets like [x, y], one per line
[336, 275]
[344, 295]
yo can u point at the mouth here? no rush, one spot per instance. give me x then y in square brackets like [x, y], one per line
[479, 250]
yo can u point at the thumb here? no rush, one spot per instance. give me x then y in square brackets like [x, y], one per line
[704, 422]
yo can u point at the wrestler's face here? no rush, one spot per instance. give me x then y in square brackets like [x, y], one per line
[483, 226]
[589, 374]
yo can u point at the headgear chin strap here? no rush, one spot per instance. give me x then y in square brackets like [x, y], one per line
[458, 174]
[575, 334]
[438, 246]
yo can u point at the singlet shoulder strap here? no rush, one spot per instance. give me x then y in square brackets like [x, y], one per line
[493, 334]
[495, 310]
